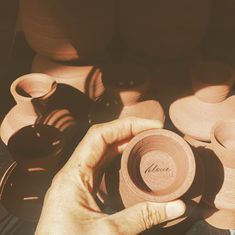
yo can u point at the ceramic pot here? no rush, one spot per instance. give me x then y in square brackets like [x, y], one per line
[196, 111]
[158, 166]
[22, 193]
[67, 31]
[87, 79]
[163, 29]
[39, 100]
[217, 156]
[127, 93]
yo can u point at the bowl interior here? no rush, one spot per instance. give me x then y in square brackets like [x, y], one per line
[158, 165]
[34, 86]
[225, 135]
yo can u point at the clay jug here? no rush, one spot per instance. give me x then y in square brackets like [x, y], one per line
[127, 93]
[158, 166]
[218, 159]
[40, 100]
[163, 29]
[210, 100]
[67, 30]
[87, 79]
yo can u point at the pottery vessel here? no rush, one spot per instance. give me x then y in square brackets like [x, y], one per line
[127, 93]
[163, 29]
[40, 100]
[22, 193]
[158, 166]
[87, 79]
[196, 111]
[218, 159]
[63, 31]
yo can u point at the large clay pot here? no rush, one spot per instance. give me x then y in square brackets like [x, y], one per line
[87, 79]
[196, 111]
[218, 159]
[67, 30]
[40, 100]
[126, 94]
[158, 166]
[163, 29]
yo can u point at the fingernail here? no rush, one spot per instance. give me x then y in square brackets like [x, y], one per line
[175, 209]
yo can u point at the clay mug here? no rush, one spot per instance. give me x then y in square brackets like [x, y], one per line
[158, 166]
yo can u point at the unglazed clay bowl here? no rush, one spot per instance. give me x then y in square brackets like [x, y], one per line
[37, 147]
[22, 193]
[158, 165]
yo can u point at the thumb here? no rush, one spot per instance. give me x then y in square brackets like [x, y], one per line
[144, 215]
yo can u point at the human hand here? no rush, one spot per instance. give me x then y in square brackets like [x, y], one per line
[69, 206]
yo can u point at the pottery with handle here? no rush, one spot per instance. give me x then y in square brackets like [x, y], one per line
[67, 30]
[127, 93]
[158, 166]
[40, 100]
[87, 79]
[218, 158]
[195, 112]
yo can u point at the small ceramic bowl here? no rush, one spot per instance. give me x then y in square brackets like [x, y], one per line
[158, 165]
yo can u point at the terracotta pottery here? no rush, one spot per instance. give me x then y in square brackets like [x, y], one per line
[158, 166]
[37, 147]
[40, 100]
[127, 93]
[195, 112]
[67, 31]
[22, 193]
[87, 79]
[163, 29]
[218, 159]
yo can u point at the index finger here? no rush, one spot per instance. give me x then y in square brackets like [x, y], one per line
[94, 146]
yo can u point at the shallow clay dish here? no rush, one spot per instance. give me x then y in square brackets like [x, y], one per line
[22, 193]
